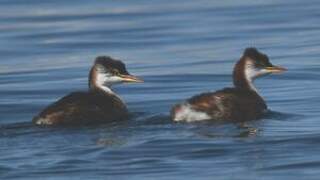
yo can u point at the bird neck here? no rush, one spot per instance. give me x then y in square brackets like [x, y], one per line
[97, 82]
[244, 75]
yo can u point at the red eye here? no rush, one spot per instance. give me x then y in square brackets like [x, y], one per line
[116, 72]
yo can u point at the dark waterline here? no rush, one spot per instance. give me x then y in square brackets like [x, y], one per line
[180, 49]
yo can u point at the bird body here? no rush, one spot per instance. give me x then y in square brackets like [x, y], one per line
[83, 108]
[229, 104]
[239, 103]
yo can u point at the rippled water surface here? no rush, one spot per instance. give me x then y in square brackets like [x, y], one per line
[180, 48]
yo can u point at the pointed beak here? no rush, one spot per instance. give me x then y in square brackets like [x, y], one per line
[131, 79]
[275, 69]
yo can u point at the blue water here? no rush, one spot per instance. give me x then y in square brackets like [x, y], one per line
[180, 48]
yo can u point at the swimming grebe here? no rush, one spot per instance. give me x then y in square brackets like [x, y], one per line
[99, 104]
[240, 103]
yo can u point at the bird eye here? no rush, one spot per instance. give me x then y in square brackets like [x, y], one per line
[261, 64]
[116, 72]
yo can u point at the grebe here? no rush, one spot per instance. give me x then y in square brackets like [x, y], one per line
[100, 104]
[240, 103]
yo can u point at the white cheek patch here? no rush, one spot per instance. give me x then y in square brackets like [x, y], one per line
[186, 113]
[111, 79]
[263, 72]
[251, 73]
[104, 81]
[107, 79]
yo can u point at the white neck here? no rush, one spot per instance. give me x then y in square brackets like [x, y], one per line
[250, 74]
[104, 81]
[100, 83]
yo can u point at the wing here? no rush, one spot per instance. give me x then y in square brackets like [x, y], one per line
[229, 104]
[82, 108]
[68, 102]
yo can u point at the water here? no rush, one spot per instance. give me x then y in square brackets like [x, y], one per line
[180, 49]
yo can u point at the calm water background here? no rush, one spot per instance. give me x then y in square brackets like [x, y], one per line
[180, 48]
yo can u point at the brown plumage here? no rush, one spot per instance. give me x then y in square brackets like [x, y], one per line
[98, 105]
[230, 104]
[240, 103]
[83, 108]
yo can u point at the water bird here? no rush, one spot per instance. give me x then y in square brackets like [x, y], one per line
[237, 104]
[98, 105]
